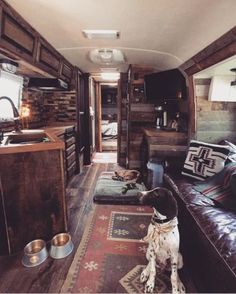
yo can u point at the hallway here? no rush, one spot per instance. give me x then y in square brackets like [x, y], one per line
[105, 157]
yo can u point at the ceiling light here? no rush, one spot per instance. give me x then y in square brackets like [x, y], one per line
[9, 65]
[111, 76]
[109, 69]
[106, 56]
[101, 34]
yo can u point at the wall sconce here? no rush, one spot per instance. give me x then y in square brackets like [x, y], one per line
[25, 111]
[9, 65]
[25, 114]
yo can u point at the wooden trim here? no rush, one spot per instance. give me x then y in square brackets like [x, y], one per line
[224, 47]
[5, 246]
[192, 108]
[98, 119]
[119, 120]
[87, 155]
[221, 49]
[65, 212]
[78, 93]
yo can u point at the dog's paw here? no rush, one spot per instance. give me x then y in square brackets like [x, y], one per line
[143, 276]
[149, 287]
[181, 288]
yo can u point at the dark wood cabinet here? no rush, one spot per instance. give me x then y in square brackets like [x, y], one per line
[20, 41]
[157, 148]
[70, 152]
[69, 137]
[67, 70]
[16, 36]
[32, 201]
[138, 114]
[48, 58]
[142, 112]
[162, 144]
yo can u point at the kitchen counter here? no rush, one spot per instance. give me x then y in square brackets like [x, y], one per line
[53, 142]
[162, 143]
[58, 130]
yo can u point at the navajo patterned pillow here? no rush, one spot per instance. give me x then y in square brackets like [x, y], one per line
[204, 160]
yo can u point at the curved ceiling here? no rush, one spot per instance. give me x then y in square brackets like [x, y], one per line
[158, 33]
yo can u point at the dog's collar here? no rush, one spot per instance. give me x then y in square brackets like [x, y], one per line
[157, 220]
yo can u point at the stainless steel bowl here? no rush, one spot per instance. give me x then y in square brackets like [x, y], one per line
[35, 253]
[61, 246]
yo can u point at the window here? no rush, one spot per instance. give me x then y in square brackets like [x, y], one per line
[10, 86]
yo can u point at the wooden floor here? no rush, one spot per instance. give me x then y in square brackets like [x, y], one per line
[50, 275]
[109, 145]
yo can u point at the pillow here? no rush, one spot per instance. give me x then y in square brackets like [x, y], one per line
[221, 187]
[232, 147]
[204, 160]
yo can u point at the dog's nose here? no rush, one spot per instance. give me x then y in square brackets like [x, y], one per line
[141, 196]
[143, 193]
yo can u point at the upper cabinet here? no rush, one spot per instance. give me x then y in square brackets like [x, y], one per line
[16, 36]
[48, 58]
[19, 41]
[67, 70]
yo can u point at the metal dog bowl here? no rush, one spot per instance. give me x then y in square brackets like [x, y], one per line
[35, 253]
[61, 246]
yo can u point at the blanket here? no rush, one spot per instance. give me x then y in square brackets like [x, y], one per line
[221, 187]
[109, 129]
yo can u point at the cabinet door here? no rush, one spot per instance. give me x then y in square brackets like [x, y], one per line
[66, 70]
[48, 58]
[34, 196]
[16, 35]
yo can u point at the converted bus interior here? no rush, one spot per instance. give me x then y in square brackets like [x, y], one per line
[93, 91]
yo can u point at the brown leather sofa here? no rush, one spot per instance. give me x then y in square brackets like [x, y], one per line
[208, 237]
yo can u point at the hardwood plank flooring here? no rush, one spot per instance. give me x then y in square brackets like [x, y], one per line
[50, 275]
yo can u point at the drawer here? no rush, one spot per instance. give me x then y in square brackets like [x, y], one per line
[69, 141]
[70, 149]
[142, 116]
[71, 171]
[70, 159]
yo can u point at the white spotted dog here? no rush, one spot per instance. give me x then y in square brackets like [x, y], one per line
[163, 239]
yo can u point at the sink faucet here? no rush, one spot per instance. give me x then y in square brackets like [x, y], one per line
[15, 113]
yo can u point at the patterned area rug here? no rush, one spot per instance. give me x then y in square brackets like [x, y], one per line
[111, 254]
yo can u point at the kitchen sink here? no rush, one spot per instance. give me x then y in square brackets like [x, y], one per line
[26, 137]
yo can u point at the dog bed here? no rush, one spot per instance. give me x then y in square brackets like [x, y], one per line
[111, 191]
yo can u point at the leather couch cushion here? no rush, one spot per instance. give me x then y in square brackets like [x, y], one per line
[219, 228]
[218, 225]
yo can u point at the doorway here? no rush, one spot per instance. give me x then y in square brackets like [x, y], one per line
[109, 114]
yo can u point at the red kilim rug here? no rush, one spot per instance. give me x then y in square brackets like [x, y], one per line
[111, 256]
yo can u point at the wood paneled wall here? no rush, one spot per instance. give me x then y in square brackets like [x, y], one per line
[215, 120]
[122, 121]
[46, 108]
[59, 106]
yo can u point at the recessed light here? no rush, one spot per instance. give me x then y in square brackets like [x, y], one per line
[101, 34]
[109, 69]
[111, 76]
